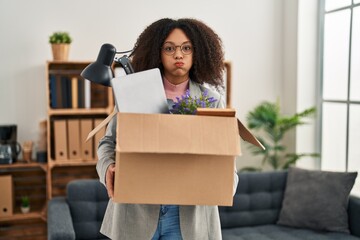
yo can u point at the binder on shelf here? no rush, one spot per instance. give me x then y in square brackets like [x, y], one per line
[87, 94]
[60, 140]
[81, 93]
[87, 148]
[74, 92]
[58, 88]
[6, 200]
[66, 91]
[73, 135]
[52, 92]
[98, 136]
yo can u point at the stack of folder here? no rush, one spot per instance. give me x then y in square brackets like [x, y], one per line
[70, 136]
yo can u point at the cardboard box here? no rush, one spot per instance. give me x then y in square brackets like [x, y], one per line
[177, 159]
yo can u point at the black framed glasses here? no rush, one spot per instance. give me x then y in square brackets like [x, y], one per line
[169, 48]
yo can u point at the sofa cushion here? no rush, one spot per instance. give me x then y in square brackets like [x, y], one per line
[276, 232]
[87, 200]
[317, 200]
[257, 200]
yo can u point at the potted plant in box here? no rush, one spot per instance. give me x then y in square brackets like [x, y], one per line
[60, 44]
[25, 204]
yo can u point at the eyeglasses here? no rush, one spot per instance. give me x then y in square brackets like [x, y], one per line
[170, 48]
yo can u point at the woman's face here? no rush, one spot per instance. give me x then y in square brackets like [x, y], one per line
[178, 63]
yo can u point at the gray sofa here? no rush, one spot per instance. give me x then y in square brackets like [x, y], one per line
[80, 213]
[256, 209]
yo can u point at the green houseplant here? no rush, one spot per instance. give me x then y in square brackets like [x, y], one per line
[60, 44]
[60, 37]
[25, 204]
[267, 119]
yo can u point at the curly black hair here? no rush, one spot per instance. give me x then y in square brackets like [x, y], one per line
[208, 55]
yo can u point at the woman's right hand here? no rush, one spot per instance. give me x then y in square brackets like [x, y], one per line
[109, 180]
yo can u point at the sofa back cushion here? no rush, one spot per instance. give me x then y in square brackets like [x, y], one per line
[317, 199]
[87, 200]
[257, 200]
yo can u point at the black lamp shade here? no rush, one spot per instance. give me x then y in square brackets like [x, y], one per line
[100, 71]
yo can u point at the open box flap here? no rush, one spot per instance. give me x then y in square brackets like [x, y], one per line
[168, 133]
[101, 125]
[243, 131]
[245, 134]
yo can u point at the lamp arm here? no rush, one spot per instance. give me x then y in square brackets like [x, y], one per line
[125, 63]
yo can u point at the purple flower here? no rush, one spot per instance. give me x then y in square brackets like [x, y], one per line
[188, 105]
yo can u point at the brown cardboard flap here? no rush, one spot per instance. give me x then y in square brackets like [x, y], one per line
[101, 125]
[230, 112]
[169, 133]
[247, 136]
[220, 112]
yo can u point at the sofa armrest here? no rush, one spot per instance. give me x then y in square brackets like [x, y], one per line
[59, 222]
[354, 215]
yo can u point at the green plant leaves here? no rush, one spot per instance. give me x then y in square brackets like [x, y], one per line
[25, 202]
[267, 120]
[60, 37]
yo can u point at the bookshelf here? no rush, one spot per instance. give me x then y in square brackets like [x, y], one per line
[75, 106]
[71, 100]
[28, 179]
[67, 90]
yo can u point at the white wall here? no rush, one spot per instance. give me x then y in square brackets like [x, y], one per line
[288, 98]
[252, 33]
[307, 80]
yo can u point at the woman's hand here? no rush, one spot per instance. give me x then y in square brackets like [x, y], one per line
[109, 180]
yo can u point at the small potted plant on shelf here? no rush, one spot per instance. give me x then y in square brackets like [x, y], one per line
[60, 44]
[25, 204]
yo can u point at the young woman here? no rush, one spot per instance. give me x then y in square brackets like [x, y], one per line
[188, 54]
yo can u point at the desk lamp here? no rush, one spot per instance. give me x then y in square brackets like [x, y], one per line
[100, 71]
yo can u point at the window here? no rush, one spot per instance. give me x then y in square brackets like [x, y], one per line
[340, 81]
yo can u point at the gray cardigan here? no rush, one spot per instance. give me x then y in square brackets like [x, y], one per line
[139, 221]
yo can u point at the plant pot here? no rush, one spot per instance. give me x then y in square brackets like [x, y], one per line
[60, 51]
[25, 209]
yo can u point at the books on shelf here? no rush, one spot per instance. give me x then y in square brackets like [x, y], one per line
[81, 92]
[76, 92]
